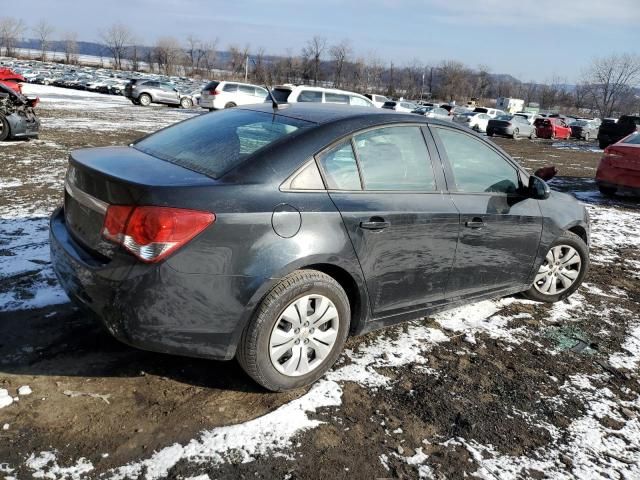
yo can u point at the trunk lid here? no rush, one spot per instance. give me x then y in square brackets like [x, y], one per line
[99, 177]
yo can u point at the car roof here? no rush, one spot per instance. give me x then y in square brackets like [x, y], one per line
[322, 113]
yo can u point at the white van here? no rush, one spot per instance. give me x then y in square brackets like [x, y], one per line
[304, 93]
[492, 112]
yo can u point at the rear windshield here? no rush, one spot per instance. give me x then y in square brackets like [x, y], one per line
[389, 104]
[281, 94]
[481, 110]
[633, 139]
[215, 143]
[211, 85]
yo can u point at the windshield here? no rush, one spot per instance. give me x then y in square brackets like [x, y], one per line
[215, 143]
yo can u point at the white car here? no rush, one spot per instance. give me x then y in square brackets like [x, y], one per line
[531, 117]
[475, 120]
[400, 106]
[304, 93]
[378, 100]
[218, 95]
[492, 112]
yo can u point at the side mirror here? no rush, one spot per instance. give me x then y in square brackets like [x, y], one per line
[538, 188]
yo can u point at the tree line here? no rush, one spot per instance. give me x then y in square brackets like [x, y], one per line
[607, 87]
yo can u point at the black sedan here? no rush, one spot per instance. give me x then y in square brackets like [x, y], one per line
[584, 129]
[17, 115]
[270, 235]
[513, 126]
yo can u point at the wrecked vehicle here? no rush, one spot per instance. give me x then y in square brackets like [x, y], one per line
[11, 79]
[17, 115]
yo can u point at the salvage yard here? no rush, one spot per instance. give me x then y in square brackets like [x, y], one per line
[499, 389]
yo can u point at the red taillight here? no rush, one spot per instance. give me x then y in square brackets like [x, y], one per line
[213, 92]
[152, 233]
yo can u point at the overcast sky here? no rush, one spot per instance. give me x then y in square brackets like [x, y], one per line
[530, 39]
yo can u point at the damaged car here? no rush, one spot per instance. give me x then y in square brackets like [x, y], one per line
[17, 115]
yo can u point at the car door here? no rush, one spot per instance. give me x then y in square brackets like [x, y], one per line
[500, 227]
[402, 226]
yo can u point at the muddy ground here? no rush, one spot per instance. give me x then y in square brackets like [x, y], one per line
[493, 405]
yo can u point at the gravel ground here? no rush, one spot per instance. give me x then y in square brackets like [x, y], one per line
[499, 389]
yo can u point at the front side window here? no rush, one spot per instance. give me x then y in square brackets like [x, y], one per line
[359, 102]
[215, 144]
[395, 158]
[310, 96]
[477, 168]
[335, 98]
[246, 89]
[340, 168]
[633, 139]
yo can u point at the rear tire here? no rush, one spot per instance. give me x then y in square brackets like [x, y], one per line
[489, 133]
[516, 134]
[144, 99]
[230, 105]
[4, 129]
[186, 103]
[567, 261]
[532, 135]
[607, 191]
[602, 145]
[587, 137]
[260, 347]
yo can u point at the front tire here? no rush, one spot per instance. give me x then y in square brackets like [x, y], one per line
[562, 271]
[144, 99]
[587, 137]
[515, 134]
[297, 333]
[532, 135]
[230, 105]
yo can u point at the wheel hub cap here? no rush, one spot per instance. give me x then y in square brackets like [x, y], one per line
[559, 271]
[304, 335]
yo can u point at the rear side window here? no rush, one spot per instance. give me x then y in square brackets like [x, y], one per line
[395, 158]
[310, 96]
[230, 87]
[340, 168]
[477, 168]
[389, 104]
[214, 144]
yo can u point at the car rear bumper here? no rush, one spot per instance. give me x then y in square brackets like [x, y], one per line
[152, 307]
[506, 131]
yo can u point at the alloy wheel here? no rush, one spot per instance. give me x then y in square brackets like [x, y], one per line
[559, 271]
[304, 335]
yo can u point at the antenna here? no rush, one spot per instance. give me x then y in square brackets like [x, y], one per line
[274, 103]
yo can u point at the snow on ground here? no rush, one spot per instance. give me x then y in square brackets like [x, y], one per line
[596, 452]
[581, 146]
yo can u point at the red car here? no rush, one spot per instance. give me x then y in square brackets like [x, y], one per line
[552, 128]
[11, 79]
[619, 169]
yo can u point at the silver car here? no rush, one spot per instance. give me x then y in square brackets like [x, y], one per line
[434, 112]
[146, 92]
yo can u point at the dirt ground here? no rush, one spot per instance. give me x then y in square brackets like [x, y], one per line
[484, 401]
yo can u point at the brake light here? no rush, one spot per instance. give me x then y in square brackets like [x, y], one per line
[213, 92]
[152, 233]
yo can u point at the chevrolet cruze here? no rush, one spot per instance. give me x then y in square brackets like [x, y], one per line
[271, 234]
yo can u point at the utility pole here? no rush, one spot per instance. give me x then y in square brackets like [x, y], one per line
[246, 68]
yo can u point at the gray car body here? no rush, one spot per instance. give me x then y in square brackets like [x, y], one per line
[200, 299]
[164, 93]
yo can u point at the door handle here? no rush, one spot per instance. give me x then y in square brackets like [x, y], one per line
[375, 224]
[475, 223]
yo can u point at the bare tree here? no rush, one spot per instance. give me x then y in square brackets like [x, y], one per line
[313, 52]
[11, 29]
[167, 53]
[196, 54]
[210, 56]
[454, 80]
[43, 31]
[611, 80]
[70, 44]
[117, 38]
[339, 53]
